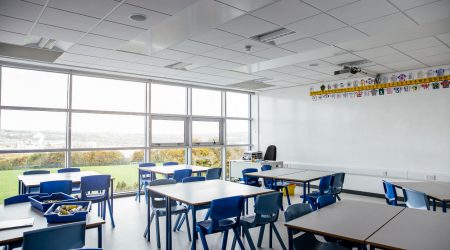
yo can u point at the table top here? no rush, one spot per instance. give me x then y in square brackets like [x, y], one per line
[347, 220]
[168, 170]
[304, 176]
[259, 162]
[203, 192]
[414, 229]
[439, 190]
[25, 210]
[36, 179]
[274, 173]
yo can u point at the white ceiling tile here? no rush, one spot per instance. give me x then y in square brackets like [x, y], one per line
[430, 12]
[341, 35]
[218, 38]
[315, 25]
[247, 5]
[289, 69]
[363, 10]
[328, 70]
[240, 46]
[396, 57]
[301, 80]
[273, 53]
[101, 41]
[326, 5]
[444, 37]
[67, 19]
[417, 44]
[115, 30]
[193, 47]
[289, 38]
[247, 59]
[71, 64]
[234, 75]
[436, 60]
[172, 54]
[268, 73]
[342, 58]
[12, 38]
[281, 83]
[96, 8]
[207, 70]
[15, 25]
[89, 50]
[292, 10]
[123, 12]
[165, 6]
[395, 22]
[221, 53]
[319, 76]
[20, 9]
[226, 65]
[408, 4]
[140, 67]
[430, 51]
[376, 52]
[59, 34]
[40, 2]
[303, 45]
[311, 65]
[154, 61]
[111, 63]
[248, 26]
[201, 60]
[377, 69]
[78, 58]
[405, 65]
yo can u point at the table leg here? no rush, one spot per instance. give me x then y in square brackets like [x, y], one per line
[99, 230]
[168, 224]
[20, 184]
[194, 230]
[304, 192]
[444, 206]
[148, 218]
[291, 239]
[434, 204]
[309, 187]
[112, 196]
[139, 186]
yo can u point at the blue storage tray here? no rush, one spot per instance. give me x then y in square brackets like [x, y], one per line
[38, 201]
[78, 216]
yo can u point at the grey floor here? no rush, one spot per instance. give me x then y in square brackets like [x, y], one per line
[130, 218]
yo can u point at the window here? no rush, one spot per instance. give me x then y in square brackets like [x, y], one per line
[206, 102]
[30, 88]
[233, 153]
[237, 132]
[107, 131]
[167, 131]
[159, 156]
[207, 157]
[206, 132]
[92, 93]
[237, 105]
[167, 99]
[32, 129]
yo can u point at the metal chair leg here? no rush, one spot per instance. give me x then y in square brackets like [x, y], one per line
[261, 235]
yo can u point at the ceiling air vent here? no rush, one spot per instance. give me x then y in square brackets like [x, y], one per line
[179, 66]
[270, 37]
[257, 84]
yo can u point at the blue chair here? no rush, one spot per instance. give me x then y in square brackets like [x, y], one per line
[275, 185]
[61, 237]
[170, 163]
[337, 184]
[415, 199]
[213, 173]
[68, 170]
[179, 175]
[33, 172]
[50, 187]
[325, 200]
[307, 240]
[267, 207]
[180, 219]
[96, 188]
[144, 177]
[193, 179]
[225, 215]
[324, 189]
[390, 194]
[158, 205]
[20, 198]
[250, 180]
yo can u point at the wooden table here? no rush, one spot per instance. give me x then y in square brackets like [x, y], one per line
[436, 190]
[196, 194]
[25, 210]
[414, 229]
[305, 177]
[348, 220]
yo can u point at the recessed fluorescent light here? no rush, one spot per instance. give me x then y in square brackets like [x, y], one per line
[271, 36]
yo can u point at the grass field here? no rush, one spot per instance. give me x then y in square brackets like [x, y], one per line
[125, 178]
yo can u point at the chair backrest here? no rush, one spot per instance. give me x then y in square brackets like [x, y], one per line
[180, 174]
[158, 200]
[224, 209]
[415, 199]
[61, 237]
[143, 174]
[390, 194]
[325, 185]
[337, 183]
[325, 200]
[31, 172]
[267, 207]
[50, 187]
[146, 164]
[271, 153]
[295, 211]
[248, 179]
[193, 179]
[213, 173]
[95, 183]
[170, 163]
[68, 170]
[267, 181]
[20, 198]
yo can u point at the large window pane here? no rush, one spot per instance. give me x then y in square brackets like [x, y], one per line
[207, 157]
[120, 164]
[104, 130]
[32, 88]
[206, 102]
[166, 99]
[32, 129]
[237, 105]
[167, 131]
[94, 93]
[206, 132]
[237, 131]
[159, 156]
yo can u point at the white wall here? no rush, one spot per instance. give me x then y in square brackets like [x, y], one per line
[404, 135]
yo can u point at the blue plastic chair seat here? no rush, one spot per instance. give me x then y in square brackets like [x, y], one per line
[223, 225]
[179, 209]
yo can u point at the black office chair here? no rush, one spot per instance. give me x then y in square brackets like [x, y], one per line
[271, 153]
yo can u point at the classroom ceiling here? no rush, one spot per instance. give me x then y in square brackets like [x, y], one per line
[212, 42]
